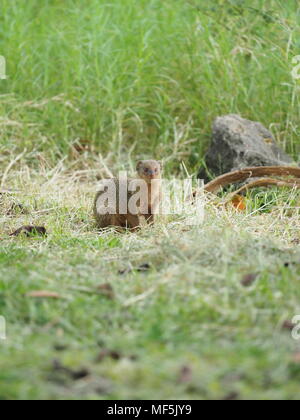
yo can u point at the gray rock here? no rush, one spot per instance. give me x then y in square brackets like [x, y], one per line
[239, 143]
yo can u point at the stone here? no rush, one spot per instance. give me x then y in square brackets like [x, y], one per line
[238, 143]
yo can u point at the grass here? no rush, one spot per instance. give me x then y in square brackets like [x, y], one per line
[188, 313]
[141, 76]
[93, 86]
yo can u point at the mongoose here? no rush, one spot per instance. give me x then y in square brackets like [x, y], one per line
[146, 188]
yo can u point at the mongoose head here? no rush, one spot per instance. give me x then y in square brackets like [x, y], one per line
[149, 169]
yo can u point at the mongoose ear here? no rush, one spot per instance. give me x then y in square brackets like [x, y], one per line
[139, 164]
[161, 165]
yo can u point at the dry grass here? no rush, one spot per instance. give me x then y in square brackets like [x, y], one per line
[188, 309]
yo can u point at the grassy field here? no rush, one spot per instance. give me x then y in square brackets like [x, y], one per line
[173, 311]
[132, 75]
[185, 327]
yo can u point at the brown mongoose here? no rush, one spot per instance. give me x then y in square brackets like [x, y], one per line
[136, 212]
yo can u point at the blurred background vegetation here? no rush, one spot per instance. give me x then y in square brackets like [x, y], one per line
[143, 77]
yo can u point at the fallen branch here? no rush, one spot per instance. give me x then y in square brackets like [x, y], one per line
[268, 182]
[244, 174]
[263, 182]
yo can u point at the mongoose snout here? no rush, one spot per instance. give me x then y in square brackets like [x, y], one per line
[149, 169]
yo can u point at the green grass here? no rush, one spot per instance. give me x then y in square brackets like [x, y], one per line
[92, 87]
[144, 75]
[188, 311]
